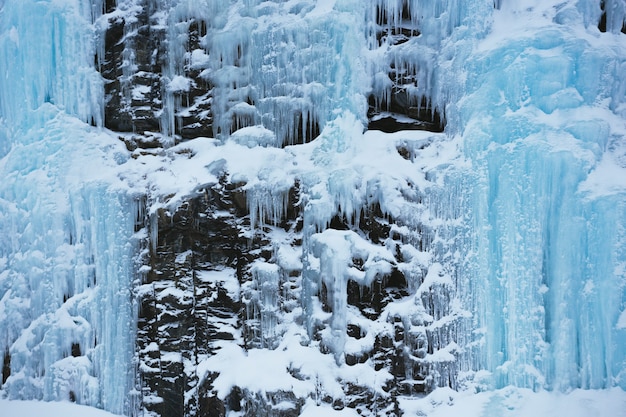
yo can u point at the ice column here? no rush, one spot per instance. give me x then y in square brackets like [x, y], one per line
[334, 250]
[264, 304]
[68, 270]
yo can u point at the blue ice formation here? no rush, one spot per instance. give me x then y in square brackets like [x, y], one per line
[67, 252]
[540, 113]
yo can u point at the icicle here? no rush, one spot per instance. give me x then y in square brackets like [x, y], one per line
[267, 278]
[267, 204]
[335, 250]
[154, 231]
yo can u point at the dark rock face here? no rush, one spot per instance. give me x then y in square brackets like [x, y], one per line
[199, 286]
[138, 96]
[184, 310]
[6, 367]
[195, 118]
[189, 307]
[131, 67]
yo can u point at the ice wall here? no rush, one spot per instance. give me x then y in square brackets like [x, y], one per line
[59, 37]
[540, 117]
[67, 252]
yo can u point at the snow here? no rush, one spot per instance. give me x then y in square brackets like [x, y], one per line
[291, 367]
[252, 136]
[179, 84]
[517, 402]
[621, 322]
[225, 278]
[50, 409]
[606, 179]
[509, 402]
[313, 410]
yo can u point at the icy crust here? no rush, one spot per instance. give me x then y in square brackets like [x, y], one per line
[342, 174]
[230, 65]
[239, 64]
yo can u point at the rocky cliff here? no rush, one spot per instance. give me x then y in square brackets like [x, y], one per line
[214, 273]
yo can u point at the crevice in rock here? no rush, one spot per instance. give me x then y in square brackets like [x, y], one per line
[602, 24]
[6, 366]
[399, 113]
[75, 350]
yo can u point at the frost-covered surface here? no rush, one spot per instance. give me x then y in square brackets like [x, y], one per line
[490, 257]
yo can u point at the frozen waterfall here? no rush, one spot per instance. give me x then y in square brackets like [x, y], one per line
[415, 193]
[68, 251]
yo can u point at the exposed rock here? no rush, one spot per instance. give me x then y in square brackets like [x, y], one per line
[136, 91]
